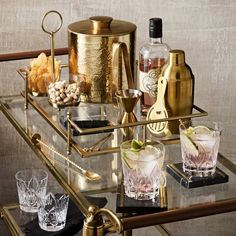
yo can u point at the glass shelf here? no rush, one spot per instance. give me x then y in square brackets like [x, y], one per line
[183, 203]
[98, 113]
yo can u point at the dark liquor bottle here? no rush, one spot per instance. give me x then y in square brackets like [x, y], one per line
[152, 57]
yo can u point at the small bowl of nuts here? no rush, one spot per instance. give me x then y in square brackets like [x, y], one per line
[62, 94]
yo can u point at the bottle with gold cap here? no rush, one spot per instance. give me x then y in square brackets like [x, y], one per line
[179, 93]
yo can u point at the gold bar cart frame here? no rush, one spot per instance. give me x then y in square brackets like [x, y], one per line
[127, 222]
[69, 137]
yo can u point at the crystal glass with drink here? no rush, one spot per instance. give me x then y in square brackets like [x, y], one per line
[142, 169]
[199, 147]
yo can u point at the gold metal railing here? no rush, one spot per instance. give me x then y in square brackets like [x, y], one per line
[83, 152]
[67, 135]
[8, 218]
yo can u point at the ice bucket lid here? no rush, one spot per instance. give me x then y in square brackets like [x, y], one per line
[102, 25]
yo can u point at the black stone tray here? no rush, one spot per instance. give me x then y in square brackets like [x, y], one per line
[188, 181]
[125, 204]
[86, 124]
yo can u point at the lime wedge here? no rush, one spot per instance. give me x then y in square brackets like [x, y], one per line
[137, 145]
[190, 131]
[189, 145]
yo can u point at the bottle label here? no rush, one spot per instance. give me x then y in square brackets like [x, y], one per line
[148, 81]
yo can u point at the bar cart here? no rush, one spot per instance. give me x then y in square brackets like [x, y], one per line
[177, 203]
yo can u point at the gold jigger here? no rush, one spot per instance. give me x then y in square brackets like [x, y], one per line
[128, 98]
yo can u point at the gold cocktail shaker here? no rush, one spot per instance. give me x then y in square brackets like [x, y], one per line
[179, 93]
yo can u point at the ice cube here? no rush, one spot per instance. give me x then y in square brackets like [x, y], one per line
[210, 143]
[150, 153]
[147, 167]
[206, 145]
[146, 155]
[202, 137]
[151, 157]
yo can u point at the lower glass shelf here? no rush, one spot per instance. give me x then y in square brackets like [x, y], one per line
[14, 218]
[182, 203]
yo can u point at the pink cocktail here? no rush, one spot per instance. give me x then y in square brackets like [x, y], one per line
[142, 169]
[199, 147]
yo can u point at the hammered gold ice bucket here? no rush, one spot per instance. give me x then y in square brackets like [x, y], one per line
[101, 57]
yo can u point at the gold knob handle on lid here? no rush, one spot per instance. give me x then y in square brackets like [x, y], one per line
[101, 22]
[177, 57]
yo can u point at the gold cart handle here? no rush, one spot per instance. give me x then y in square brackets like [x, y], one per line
[58, 27]
[51, 33]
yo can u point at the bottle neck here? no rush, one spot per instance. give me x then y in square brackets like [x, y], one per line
[155, 40]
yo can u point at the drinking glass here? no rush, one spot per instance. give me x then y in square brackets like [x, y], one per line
[52, 212]
[142, 170]
[31, 184]
[199, 147]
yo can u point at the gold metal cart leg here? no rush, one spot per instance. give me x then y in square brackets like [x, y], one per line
[69, 131]
[162, 230]
[9, 219]
[94, 227]
[128, 232]
[94, 224]
[26, 93]
[24, 74]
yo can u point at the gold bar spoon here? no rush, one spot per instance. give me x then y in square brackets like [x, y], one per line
[36, 138]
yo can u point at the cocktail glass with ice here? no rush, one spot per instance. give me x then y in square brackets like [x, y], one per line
[142, 169]
[199, 147]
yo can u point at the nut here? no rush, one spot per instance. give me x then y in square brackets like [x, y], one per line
[61, 93]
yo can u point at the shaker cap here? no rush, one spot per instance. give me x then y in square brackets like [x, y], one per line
[155, 28]
[177, 57]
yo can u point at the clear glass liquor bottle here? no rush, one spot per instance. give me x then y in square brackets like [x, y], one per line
[152, 57]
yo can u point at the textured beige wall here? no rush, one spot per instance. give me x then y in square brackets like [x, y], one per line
[204, 29]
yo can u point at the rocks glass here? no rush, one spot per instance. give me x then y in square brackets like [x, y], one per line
[31, 184]
[142, 169]
[52, 212]
[199, 147]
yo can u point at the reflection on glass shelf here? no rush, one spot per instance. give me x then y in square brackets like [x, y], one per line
[107, 165]
[105, 115]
